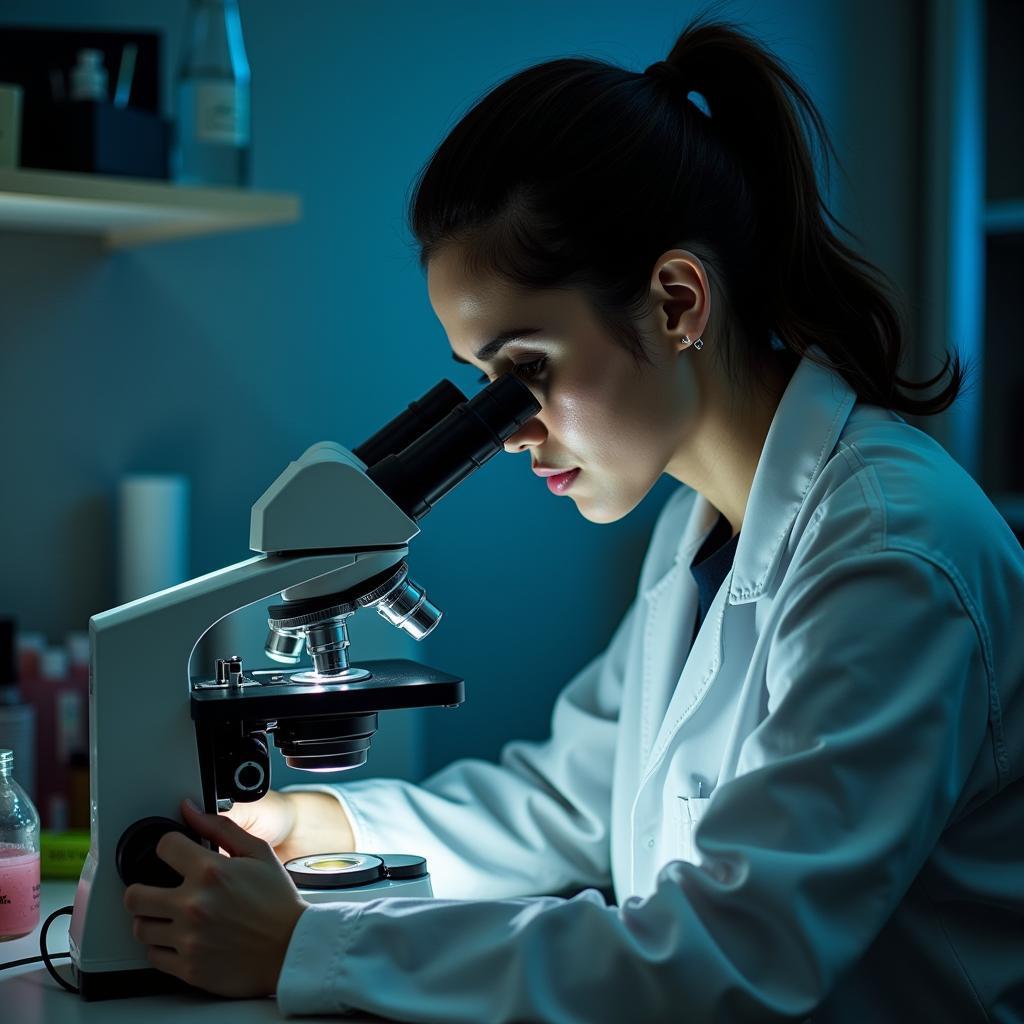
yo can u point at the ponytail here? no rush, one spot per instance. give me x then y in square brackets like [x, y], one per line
[577, 173]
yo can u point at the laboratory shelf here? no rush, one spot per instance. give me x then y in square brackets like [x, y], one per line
[122, 212]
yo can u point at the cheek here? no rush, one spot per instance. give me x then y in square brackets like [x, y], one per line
[623, 431]
[623, 420]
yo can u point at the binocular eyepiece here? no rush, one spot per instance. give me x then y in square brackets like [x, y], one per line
[457, 444]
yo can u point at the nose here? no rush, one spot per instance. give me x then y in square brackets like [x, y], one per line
[529, 435]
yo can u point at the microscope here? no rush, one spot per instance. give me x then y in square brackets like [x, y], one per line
[332, 535]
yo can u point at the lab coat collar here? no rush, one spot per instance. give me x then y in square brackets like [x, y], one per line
[810, 417]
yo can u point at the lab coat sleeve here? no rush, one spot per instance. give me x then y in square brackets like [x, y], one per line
[879, 682]
[536, 822]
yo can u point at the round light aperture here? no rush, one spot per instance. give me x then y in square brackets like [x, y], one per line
[331, 870]
[329, 864]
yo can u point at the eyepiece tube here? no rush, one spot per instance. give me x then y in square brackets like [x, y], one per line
[424, 472]
[421, 415]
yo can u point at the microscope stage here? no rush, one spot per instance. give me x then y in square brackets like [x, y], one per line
[270, 694]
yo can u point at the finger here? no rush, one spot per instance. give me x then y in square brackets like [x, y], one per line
[151, 900]
[167, 960]
[181, 853]
[225, 833]
[152, 931]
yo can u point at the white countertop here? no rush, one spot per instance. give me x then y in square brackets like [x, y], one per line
[29, 995]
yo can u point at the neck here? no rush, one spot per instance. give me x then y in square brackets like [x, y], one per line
[721, 460]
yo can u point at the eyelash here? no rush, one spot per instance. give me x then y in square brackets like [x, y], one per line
[527, 371]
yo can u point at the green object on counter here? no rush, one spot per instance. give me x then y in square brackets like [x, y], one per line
[62, 854]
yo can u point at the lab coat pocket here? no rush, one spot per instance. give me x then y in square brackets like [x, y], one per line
[691, 810]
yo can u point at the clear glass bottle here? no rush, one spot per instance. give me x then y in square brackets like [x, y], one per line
[212, 138]
[19, 856]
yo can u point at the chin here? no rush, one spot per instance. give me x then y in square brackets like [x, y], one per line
[600, 512]
[610, 508]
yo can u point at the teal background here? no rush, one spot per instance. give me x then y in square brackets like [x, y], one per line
[112, 363]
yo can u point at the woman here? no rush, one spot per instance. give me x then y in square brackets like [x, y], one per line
[798, 762]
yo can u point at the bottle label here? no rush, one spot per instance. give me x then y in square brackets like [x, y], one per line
[222, 113]
[19, 892]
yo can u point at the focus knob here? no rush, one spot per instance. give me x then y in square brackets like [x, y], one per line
[136, 856]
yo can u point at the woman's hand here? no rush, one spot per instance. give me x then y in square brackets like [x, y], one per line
[271, 818]
[226, 928]
[296, 824]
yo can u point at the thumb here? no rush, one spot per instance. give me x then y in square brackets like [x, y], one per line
[225, 833]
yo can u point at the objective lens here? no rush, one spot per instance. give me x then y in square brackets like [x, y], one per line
[408, 608]
[284, 646]
[328, 646]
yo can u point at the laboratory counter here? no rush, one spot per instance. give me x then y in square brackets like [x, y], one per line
[30, 996]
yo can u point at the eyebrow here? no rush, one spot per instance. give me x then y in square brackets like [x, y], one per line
[497, 343]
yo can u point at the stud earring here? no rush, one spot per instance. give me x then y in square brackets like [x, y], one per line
[698, 344]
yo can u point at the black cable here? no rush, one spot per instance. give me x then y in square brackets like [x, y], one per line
[46, 957]
[32, 960]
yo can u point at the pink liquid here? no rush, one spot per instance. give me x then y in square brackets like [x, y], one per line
[19, 892]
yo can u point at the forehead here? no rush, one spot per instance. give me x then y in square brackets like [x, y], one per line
[465, 297]
[472, 306]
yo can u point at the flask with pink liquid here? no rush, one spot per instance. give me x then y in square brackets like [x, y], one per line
[19, 856]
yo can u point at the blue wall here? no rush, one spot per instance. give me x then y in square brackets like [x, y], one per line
[322, 330]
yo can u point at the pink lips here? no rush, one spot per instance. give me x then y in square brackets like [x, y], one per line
[559, 480]
[562, 482]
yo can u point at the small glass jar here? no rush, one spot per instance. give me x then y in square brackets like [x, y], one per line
[19, 856]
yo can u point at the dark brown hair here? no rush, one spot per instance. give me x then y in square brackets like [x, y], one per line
[576, 173]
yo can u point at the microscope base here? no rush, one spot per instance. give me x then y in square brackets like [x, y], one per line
[94, 986]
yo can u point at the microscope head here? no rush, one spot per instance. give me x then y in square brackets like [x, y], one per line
[420, 456]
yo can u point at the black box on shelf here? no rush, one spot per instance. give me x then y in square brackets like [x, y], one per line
[100, 138]
[60, 134]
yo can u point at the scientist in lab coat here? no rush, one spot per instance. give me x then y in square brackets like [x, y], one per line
[797, 765]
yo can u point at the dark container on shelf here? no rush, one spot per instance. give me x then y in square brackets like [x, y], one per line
[88, 136]
[100, 138]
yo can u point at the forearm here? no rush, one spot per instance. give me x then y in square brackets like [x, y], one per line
[485, 831]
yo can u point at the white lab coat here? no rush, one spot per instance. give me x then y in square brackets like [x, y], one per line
[816, 813]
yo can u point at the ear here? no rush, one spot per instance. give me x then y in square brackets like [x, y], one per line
[680, 298]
